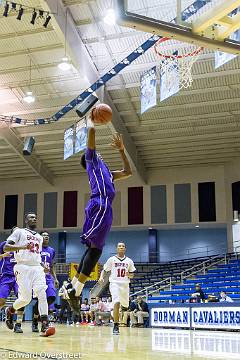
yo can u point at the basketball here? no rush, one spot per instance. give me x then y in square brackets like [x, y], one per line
[101, 114]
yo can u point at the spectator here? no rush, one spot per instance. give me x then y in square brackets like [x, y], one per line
[103, 313]
[84, 312]
[65, 307]
[92, 311]
[224, 297]
[137, 316]
[126, 314]
[198, 295]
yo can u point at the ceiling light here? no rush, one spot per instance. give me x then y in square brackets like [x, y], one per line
[48, 18]
[6, 8]
[29, 98]
[34, 16]
[197, 226]
[20, 13]
[64, 65]
[110, 17]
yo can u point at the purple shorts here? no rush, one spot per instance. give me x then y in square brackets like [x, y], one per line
[8, 283]
[51, 291]
[97, 224]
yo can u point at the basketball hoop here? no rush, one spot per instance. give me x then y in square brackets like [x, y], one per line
[179, 56]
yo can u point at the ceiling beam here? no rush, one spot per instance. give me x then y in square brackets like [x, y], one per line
[82, 61]
[34, 31]
[31, 50]
[211, 17]
[38, 167]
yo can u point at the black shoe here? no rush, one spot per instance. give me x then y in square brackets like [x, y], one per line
[35, 326]
[74, 301]
[9, 318]
[18, 328]
[116, 329]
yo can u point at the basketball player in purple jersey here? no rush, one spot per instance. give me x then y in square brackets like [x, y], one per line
[98, 213]
[8, 282]
[47, 255]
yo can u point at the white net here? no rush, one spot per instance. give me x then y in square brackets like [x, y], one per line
[177, 57]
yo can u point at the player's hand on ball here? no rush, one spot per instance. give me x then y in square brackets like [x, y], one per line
[117, 142]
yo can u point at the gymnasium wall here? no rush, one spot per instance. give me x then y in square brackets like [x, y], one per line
[172, 244]
[172, 197]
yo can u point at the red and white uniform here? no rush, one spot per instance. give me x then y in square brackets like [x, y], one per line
[119, 281]
[28, 270]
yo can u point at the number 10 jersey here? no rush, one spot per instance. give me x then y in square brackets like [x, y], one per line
[119, 268]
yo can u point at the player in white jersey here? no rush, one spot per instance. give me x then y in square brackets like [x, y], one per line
[27, 246]
[122, 270]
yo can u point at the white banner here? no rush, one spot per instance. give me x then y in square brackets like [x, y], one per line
[148, 89]
[81, 136]
[215, 317]
[170, 317]
[169, 79]
[222, 58]
[68, 142]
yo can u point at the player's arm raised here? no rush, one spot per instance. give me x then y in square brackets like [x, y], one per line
[91, 144]
[117, 143]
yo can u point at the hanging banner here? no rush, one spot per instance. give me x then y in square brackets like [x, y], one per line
[222, 58]
[148, 95]
[169, 80]
[80, 136]
[68, 142]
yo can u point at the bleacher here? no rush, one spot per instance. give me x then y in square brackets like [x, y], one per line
[147, 275]
[223, 277]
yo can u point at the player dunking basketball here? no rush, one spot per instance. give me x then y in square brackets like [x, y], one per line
[98, 212]
[27, 246]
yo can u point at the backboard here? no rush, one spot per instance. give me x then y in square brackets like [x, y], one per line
[207, 23]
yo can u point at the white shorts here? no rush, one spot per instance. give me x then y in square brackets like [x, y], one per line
[120, 293]
[30, 280]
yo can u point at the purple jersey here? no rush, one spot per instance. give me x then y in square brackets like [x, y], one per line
[47, 256]
[98, 212]
[7, 263]
[100, 178]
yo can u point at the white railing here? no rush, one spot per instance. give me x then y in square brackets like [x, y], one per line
[145, 291]
[162, 256]
[202, 267]
[167, 283]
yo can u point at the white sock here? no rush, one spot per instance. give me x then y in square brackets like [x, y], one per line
[19, 317]
[78, 286]
[74, 280]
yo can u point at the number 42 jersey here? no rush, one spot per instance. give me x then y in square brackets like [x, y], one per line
[119, 269]
[22, 237]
